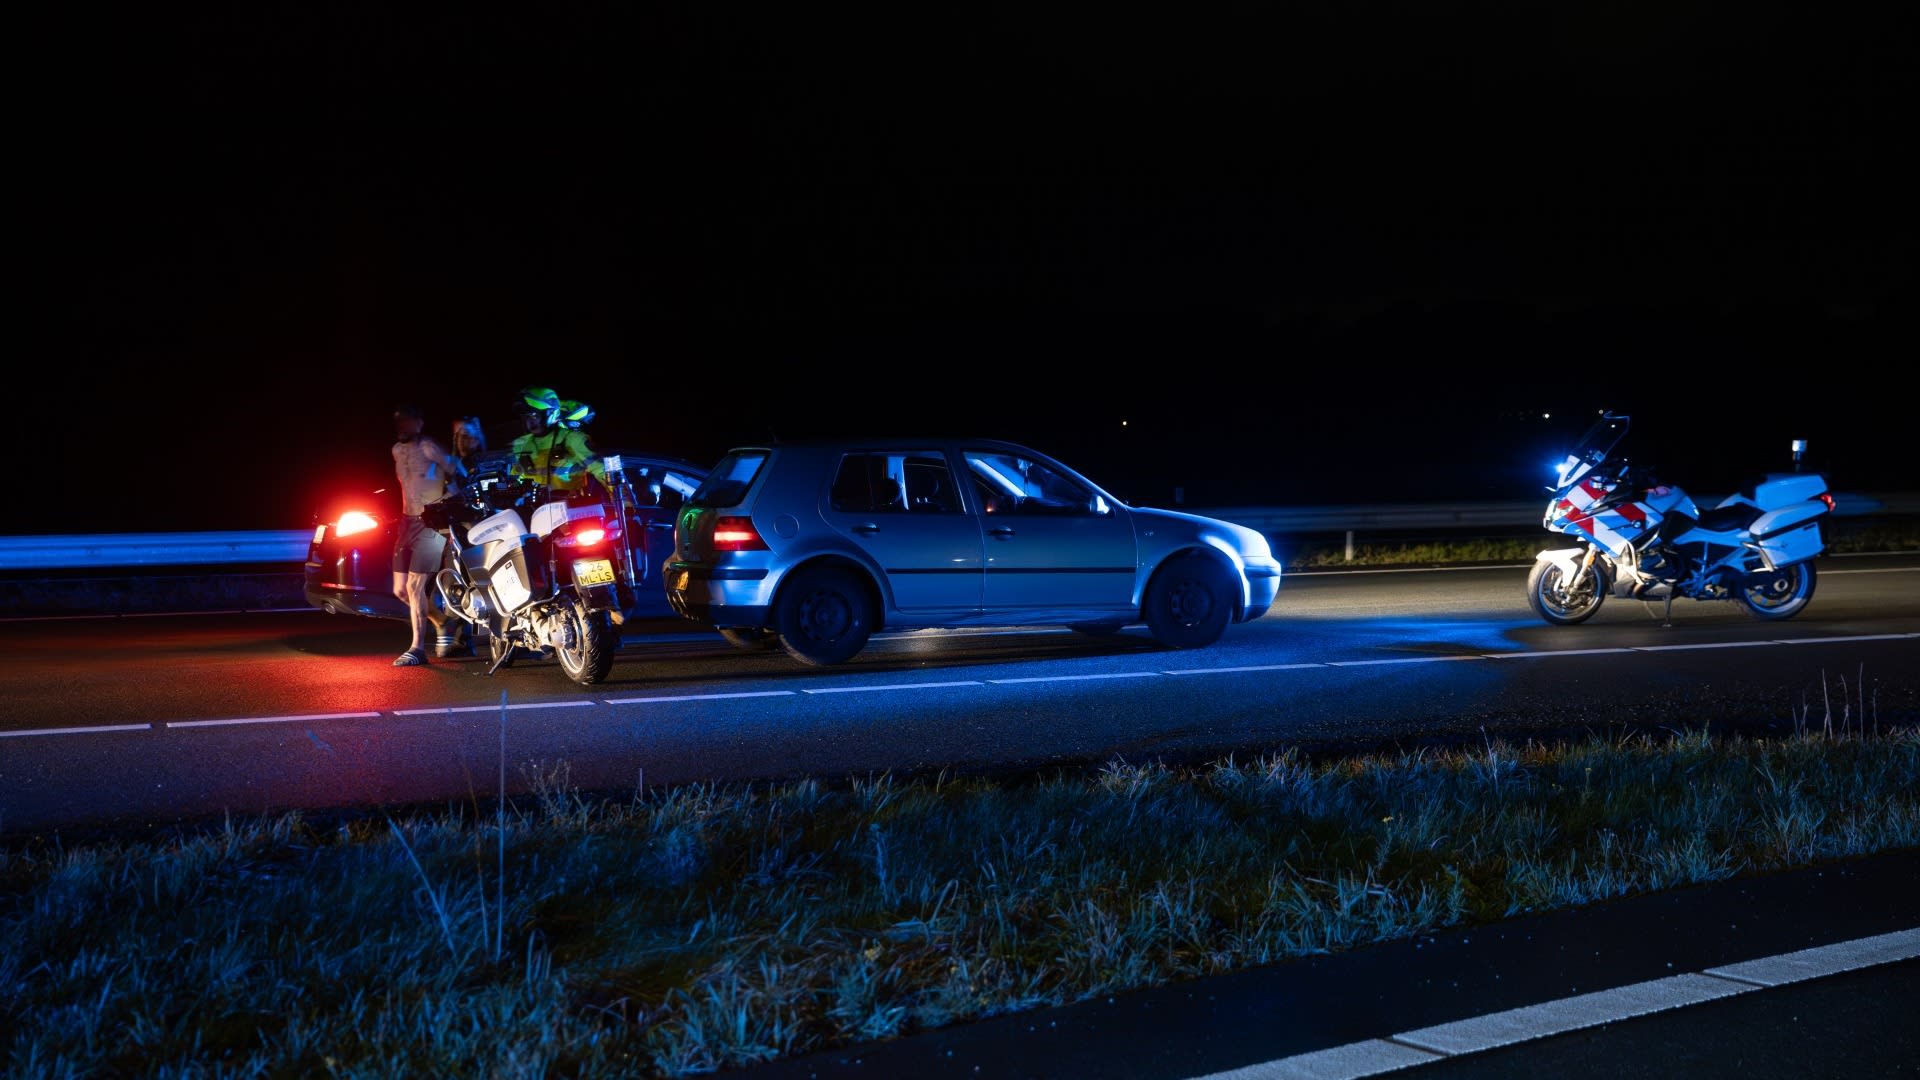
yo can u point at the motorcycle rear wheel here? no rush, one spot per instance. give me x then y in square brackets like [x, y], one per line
[1781, 596]
[586, 650]
[1563, 607]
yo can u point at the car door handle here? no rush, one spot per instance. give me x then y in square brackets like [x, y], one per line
[1002, 532]
[866, 529]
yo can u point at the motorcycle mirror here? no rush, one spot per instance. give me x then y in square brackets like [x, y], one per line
[1799, 451]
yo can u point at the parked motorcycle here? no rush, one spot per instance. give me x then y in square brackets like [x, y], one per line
[1645, 540]
[543, 572]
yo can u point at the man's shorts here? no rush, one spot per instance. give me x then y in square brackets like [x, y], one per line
[416, 548]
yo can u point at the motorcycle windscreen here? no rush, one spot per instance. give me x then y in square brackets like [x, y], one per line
[1592, 449]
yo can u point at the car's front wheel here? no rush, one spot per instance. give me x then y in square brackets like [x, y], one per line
[1189, 602]
[823, 615]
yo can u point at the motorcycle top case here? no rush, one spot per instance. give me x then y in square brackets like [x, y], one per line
[1781, 489]
[551, 516]
[505, 525]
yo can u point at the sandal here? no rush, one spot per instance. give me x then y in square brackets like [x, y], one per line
[410, 658]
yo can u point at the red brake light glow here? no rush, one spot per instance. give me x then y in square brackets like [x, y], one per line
[737, 534]
[354, 521]
[589, 536]
[1828, 499]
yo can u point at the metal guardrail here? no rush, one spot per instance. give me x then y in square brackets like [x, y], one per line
[113, 550]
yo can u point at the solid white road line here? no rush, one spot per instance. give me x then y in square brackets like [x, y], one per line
[1827, 960]
[270, 719]
[1371, 1057]
[1571, 1014]
[75, 730]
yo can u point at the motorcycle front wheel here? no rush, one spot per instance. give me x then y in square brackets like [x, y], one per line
[1553, 601]
[1778, 596]
[586, 649]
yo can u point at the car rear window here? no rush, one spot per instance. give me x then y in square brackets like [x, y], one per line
[727, 484]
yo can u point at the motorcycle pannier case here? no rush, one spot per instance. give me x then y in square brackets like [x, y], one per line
[1794, 545]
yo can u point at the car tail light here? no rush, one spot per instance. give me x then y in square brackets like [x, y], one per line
[354, 521]
[1828, 499]
[737, 534]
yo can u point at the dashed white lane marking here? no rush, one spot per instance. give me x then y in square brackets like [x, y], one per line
[271, 719]
[575, 703]
[698, 697]
[571, 703]
[1402, 660]
[75, 730]
[1244, 667]
[890, 686]
[1702, 645]
[1552, 652]
[1078, 678]
[1371, 1057]
[1856, 637]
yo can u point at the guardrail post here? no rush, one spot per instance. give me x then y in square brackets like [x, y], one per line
[1349, 545]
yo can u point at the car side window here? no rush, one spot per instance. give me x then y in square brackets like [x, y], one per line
[893, 482]
[1009, 484]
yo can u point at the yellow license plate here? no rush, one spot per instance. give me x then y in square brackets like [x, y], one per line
[592, 572]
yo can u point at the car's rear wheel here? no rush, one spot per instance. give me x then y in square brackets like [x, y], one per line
[750, 639]
[1189, 602]
[823, 615]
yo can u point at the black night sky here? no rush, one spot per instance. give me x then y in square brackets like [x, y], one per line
[1309, 252]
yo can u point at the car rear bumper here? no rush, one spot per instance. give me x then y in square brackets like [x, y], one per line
[721, 596]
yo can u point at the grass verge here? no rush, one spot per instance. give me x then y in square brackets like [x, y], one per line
[674, 932]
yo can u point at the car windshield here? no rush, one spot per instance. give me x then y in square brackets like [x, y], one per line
[727, 484]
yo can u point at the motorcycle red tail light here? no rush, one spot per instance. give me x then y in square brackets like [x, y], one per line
[737, 534]
[1828, 499]
[354, 521]
[587, 532]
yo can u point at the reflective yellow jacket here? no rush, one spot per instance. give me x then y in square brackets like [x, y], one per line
[559, 459]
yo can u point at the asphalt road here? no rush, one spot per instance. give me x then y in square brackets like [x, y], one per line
[147, 721]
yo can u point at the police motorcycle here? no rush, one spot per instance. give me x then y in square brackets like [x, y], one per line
[1638, 538]
[541, 571]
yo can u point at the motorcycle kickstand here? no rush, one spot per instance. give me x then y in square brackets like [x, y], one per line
[501, 659]
[1666, 617]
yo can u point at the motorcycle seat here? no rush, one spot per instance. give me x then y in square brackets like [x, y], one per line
[1728, 518]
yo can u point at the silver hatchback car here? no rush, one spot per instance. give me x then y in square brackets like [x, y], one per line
[814, 545]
